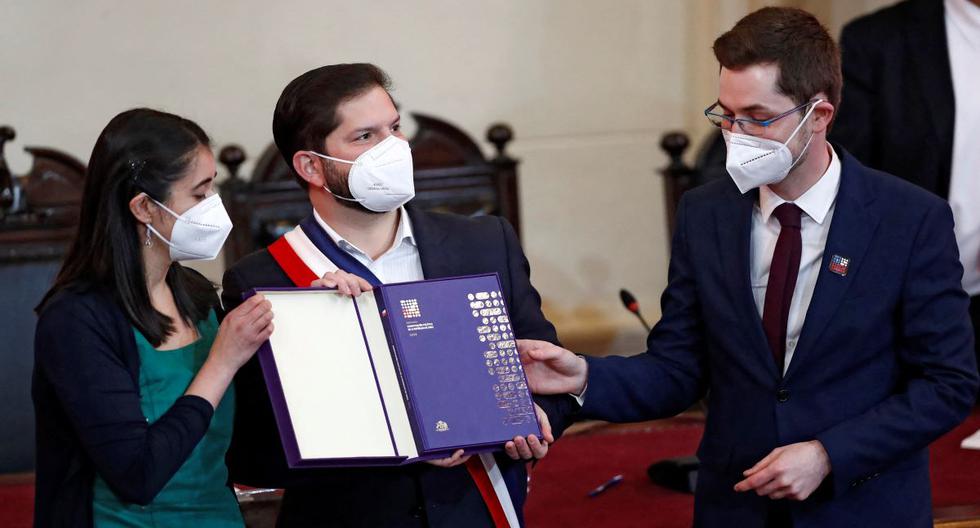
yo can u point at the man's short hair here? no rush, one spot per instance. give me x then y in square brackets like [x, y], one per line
[795, 41]
[306, 112]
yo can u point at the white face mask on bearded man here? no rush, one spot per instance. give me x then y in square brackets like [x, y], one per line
[382, 178]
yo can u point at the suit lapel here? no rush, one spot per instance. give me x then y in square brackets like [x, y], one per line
[929, 55]
[851, 230]
[437, 261]
[734, 222]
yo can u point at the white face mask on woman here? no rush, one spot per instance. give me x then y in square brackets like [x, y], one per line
[382, 178]
[199, 233]
[753, 161]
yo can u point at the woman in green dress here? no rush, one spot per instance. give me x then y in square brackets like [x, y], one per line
[132, 368]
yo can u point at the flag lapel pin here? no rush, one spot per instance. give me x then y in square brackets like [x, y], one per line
[838, 265]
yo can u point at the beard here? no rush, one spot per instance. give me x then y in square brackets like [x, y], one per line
[338, 185]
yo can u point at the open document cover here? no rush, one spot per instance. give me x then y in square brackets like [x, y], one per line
[410, 371]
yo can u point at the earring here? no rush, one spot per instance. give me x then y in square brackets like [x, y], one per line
[149, 239]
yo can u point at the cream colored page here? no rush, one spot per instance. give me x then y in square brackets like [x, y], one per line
[387, 376]
[326, 376]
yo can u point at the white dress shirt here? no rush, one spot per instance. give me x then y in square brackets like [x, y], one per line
[963, 40]
[817, 204]
[401, 263]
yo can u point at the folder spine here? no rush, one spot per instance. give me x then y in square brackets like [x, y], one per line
[377, 384]
[394, 346]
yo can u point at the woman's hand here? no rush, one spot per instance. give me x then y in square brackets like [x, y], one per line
[241, 333]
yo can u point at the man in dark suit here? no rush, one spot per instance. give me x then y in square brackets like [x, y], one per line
[910, 108]
[818, 300]
[338, 128]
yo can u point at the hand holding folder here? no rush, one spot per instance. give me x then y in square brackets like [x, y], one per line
[413, 371]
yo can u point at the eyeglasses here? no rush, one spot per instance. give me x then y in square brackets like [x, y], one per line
[752, 127]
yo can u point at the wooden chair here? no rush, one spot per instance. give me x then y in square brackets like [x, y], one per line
[38, 215]
[679, 177]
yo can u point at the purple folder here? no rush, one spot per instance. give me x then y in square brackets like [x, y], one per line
[415, 372]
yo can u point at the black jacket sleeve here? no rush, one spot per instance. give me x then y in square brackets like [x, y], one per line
[80, 351]
[856, 121]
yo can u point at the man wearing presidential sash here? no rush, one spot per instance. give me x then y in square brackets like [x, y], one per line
[338, 128]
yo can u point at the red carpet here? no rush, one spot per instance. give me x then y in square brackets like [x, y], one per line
[16, 501]
[581, 462]
[956, 471]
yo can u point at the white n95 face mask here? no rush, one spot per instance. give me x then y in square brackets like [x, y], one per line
[382, 178]
[199, 233]
[753, 161]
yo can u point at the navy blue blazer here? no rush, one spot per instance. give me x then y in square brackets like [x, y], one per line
[449, 245]
[884, 364]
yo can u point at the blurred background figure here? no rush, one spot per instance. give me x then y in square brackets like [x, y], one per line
[911, 108]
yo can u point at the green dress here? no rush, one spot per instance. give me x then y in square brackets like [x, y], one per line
[197, 494]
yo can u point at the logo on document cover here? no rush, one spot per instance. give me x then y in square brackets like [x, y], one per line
[411, 313]
[410, 309]
[441, 426]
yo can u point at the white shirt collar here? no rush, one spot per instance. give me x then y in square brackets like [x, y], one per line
[966, 16]
[403, 235]
[815, 202]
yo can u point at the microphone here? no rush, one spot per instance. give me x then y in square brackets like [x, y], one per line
[678, 473]
[631, 304]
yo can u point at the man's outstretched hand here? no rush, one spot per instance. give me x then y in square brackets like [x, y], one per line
[551, 369]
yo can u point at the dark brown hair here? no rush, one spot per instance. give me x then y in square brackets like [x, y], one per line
[794, 40]
[139, 151]
[307, 109]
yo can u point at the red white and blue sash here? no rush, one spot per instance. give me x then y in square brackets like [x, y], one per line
[305, 254]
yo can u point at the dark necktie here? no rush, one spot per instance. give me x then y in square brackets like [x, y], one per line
[782, 280]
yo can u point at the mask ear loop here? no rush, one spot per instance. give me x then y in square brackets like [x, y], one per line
[150, 228]
[797, 129]
[805, 117]
[331, 158]
[798, 158]
[150, 231]
[180, 218]
[355, 162]
[324, 156]
[339, 197]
